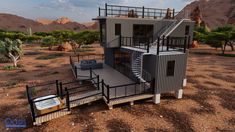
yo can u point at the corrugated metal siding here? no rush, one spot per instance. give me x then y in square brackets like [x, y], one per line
[163, 82]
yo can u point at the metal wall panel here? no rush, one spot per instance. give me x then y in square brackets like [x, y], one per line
[166, 83]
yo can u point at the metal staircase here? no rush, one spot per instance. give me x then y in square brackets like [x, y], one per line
[139, 72]
[167, 30]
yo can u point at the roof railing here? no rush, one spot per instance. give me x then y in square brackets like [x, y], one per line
[136, 12]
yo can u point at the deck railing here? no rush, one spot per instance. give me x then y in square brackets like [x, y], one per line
[168, 44]
[136, 42]
[31, 90]
[136, 12]
[75, 68]
[132, 89]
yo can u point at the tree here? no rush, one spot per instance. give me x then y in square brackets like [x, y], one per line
[49, 41]
[86, 37]
[200, 34]
[222, 37]
[11, 49]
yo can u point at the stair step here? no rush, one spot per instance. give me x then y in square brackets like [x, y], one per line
[84, 95]
[85, 100]
[51, 116]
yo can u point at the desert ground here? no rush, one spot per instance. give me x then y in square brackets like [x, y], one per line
[208, 102]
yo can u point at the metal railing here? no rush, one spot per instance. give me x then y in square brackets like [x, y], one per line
[136, 12]
[136, 42]
[75, 69]
[168, 44]
[126, 90]
[31, 99]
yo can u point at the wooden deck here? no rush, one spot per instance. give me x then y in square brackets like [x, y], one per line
[110, 76]
[51, 116]
[130, 99]
[85, 98]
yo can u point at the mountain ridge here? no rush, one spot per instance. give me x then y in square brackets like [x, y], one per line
[211, 13]
[10, 22]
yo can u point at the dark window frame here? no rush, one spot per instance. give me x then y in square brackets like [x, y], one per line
[187, 28]
[170, 69]
[118, 29]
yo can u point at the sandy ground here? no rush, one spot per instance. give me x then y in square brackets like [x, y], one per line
[208, 102]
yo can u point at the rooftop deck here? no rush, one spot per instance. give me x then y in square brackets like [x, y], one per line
[136, 12]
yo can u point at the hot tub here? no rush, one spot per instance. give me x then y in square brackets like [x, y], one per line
[48, 105]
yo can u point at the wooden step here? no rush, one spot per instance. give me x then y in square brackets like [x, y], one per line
[83, 95]
[128, 99]
[85, 98]
[51, 116]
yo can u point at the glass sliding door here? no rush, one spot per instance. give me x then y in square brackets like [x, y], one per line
[142, 34]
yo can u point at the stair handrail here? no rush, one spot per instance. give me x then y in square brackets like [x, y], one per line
[178, 23]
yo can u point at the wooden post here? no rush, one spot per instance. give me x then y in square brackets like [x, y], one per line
[67, 99]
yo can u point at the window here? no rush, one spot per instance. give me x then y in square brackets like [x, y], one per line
[170, 68]
[187, 30]
[103, 32]
[117, 29]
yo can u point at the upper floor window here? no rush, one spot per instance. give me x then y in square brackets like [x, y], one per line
[117, 29]
[170, 71]
[187, 30]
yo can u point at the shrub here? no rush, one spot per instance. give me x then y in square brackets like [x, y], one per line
[86, 37]
[48, 41]
[9, 68]
[12, 49]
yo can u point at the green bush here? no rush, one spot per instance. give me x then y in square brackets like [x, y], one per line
[42, 34]
[48, 41]
[4, 59]
[62, 36]
[9, 67]
[86, 37]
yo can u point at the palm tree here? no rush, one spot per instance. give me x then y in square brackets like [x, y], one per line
[11, 49]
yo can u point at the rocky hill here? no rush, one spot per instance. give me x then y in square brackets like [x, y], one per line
[11, 22]
[62, 20]
[212, 13]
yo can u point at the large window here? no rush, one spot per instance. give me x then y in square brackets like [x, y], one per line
[170, 71]
[142, 30]
[117, 29]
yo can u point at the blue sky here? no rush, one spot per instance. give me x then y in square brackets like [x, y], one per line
[77, 10]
